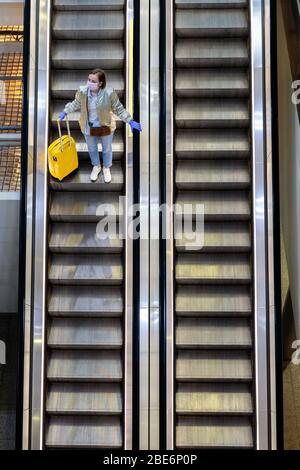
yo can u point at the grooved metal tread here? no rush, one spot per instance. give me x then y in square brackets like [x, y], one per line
[85, 206]
[88, 25]
[85, 301]
[84, 432]
[84, 5]
[216, 237]
[79, 180]
[213, 301]
[84, 366]
[206, 174]
[85, 333]
[75, 237]
[212, 143]
[84, 399]
[85, 269]
[79, 54]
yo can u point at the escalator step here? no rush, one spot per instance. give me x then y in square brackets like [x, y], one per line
[197, 113]
[88, 4]
[222, 268]
[211, 143]
[85, 301]
[217, 205]
[79, 180]
[211, 22]
[84, 366]
[84, 206]
[84, 432]
[79, 54]
[214, 237]
[213, 366]
[211, 83]
[210, 3]
[87, 333]
[201, 333]
[88, 25]
[83, 238]
[217, 432]
[214, 399]
[213, 301]
[208, 174]
[212, 52]
[84, 399]
[85, 269]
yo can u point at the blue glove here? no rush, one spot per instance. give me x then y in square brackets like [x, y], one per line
[135, 125]
[62, 115]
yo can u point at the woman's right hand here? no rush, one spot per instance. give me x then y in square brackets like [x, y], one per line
[62, 115]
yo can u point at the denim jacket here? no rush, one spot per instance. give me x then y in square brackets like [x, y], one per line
[108, 105]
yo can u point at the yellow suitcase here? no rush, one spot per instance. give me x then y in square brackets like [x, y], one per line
[62, 154]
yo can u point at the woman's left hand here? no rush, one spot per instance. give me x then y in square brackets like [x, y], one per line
[135, 125]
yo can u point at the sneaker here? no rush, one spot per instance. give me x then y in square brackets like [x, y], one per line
[106, 174]
[95, 172]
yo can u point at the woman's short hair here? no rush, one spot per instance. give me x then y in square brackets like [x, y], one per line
[101, 76]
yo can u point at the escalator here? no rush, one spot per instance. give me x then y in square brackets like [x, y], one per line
[84, 371]
[214, 351]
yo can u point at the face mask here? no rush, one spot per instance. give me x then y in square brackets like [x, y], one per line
[92, 86]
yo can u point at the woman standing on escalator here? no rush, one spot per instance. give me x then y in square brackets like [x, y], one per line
[97, 104]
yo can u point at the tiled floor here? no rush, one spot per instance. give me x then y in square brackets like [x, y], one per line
[291, 405]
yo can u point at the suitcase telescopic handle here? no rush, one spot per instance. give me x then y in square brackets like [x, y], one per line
[59, 131]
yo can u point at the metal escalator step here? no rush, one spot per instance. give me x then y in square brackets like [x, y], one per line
[211, 22]
[78, 54]
[83, 238]
[214, 399]
[210, 3]
[84, 432]
[88, 25]
[58, 106]
[79, 180]
[219, 268]
[213, 301]
[211, 83]
[216, 205]
[85, 301]
[193, 113]
[216, 333]
[81, 145]
[213, 366]
[212, 143]
[215, 237]
[85, 333]
[85, 206]
[85, 269]
[83, 5]
[84, 399]
[84, 366]
[65, 83]
[220, 432]
[212, 52]
[209, 174]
